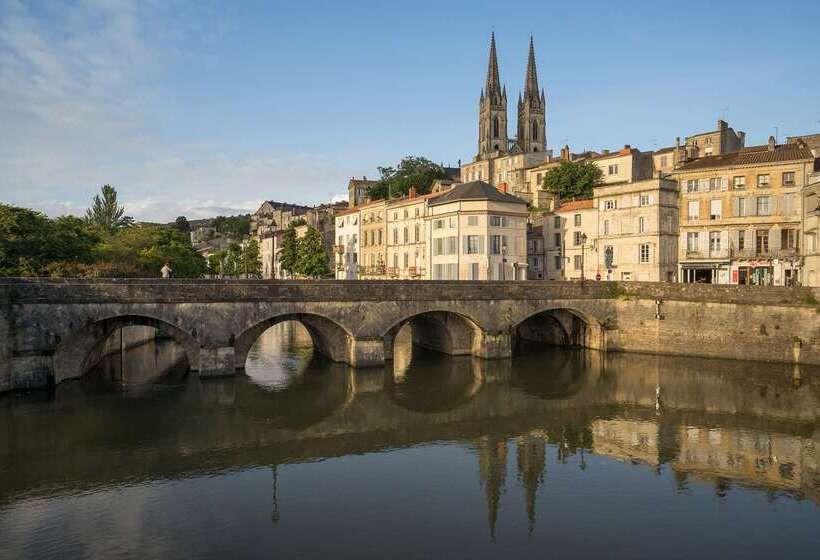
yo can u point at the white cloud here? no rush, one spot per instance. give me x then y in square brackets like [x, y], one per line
[78, 108]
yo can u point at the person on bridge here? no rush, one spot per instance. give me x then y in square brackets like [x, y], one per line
[166, 271]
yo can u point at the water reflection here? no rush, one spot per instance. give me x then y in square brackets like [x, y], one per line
[538, 437]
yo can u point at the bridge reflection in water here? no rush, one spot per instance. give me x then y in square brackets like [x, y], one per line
[734, 427]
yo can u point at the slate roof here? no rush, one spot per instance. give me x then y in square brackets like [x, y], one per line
[475, 190]
[754, 155]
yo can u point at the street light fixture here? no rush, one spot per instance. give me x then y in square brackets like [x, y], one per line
[583, 243]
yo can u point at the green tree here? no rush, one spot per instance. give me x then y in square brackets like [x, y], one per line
[312, 260]
[250, 262]
[573, 179]
[412, 171]
[182, 224]
[143, 250]
[215, 262]
[106, 214]
[33, 245]
[235, 227]
[290, 251]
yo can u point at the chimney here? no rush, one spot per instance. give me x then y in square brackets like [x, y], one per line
[412, 193]
[771, 143]
[364, 177]
[722, 125]
[677, 141]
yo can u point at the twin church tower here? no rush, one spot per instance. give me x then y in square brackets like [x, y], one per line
[492, 119]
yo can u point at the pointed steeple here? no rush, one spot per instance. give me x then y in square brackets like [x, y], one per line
[531, 83]
[493, 80]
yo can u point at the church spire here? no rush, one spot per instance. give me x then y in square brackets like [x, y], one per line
[531, 84]
[493, 81]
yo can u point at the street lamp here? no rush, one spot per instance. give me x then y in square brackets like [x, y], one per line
[503, 262]
[583, 242]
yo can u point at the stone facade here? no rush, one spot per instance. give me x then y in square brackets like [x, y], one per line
[373, 240]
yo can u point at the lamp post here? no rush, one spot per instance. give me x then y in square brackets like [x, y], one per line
[503, 262]
[583, 242]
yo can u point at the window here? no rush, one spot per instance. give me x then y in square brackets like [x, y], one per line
[644, 201]
[557, 262]
[643, 252]
[379, 237]
[405, 212]
[606, 227]
[498, 221]
[788, 179]
[714, 184]
[452, 245]
[610, 204]
[438, 224]
[416, 233]
[452, 271]
[692, 185]
[578, 238]
[741, 240]
[438, 272]
[788, 239]
[613, 169]
[472, 220]
[395, 237]
[577, 262]
[417, 213]
[472, 245]
[670, 224]
[577, 219]
[557, 239]
[739, 182]
[663, 161]
[438, 246]
[396, 261]
[641, 225]
[496, 242]
[762, 241]
[715, 209]
[714, 241]
[406, 235]
[556, 222]
[692, 242]
[473, 271]
[763, 180]
[694, 210]
[740, 207]
[763, 208]
[452, 221]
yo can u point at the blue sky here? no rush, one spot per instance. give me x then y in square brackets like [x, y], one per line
[209, 107]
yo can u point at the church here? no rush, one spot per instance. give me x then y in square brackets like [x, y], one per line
[503, 161]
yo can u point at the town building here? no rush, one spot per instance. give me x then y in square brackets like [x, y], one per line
[500, 159]
[477, 232]
[811, 228]
[536, 252]
[724, 140]
[570, 234]
[407, 236]
[357, 190]
[346, 251]
[373, 240]
[637, 237]
[740, 214]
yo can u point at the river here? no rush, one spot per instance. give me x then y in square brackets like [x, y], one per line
[554, 453]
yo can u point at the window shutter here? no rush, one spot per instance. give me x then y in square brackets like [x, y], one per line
[704, 185]
[704, 241]
[724, 240]
[481, 244]
[751, 206]
[735, 206]
[651, 199]
[774, 238]
[724, 183]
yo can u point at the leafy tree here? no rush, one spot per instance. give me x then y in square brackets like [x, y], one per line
[250, 262]
[573, 179]
[215, 262]
[182, 224]
[235, 227]
[106, 214]
[143, 250]
[289, 254]
[312, 260]
[412, 171]
[30, 243]
[174, 247]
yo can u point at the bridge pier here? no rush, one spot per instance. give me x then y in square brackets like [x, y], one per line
[492, 345]
[367, 352]
[215, 362]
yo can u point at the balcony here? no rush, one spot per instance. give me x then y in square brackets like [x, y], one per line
[416, 271]
[765, 253]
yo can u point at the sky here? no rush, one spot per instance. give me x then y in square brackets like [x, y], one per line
[208, 107]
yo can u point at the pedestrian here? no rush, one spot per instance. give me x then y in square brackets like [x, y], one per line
[166, 271]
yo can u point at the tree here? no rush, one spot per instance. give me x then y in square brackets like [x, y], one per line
[412, 171]
[250, 262]
[312, 260]
[215, 263]
[289, 253]
[182, 224]
[143, 250]
[573, 179]
[106, 214]
[235, 227]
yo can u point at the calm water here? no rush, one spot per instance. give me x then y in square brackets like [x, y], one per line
[553, 454]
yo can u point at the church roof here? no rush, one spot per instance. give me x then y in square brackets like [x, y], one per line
[475, 190]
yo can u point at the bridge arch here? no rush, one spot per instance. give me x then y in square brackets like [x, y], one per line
[329, 338]
[82, 349]
[558, 326]
[440, 330]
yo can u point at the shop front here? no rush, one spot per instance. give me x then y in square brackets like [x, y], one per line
[765, 272]
[705, 273]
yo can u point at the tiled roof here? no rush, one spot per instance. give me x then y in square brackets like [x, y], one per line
[576, 205]
[475, 190]
[754, 155]
[665, 150]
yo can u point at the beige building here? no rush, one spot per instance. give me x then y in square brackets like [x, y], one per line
[373, 240]
[407, 236]
[724, 140]
[811, 228]
[477, 232]
[637, 231]
[740, 215]
[569, 236]
[626, 165]
[357, 190]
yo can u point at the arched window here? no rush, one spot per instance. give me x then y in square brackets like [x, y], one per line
[535, 130]
[495, 127]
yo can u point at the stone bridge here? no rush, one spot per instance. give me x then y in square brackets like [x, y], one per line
[52, 330]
